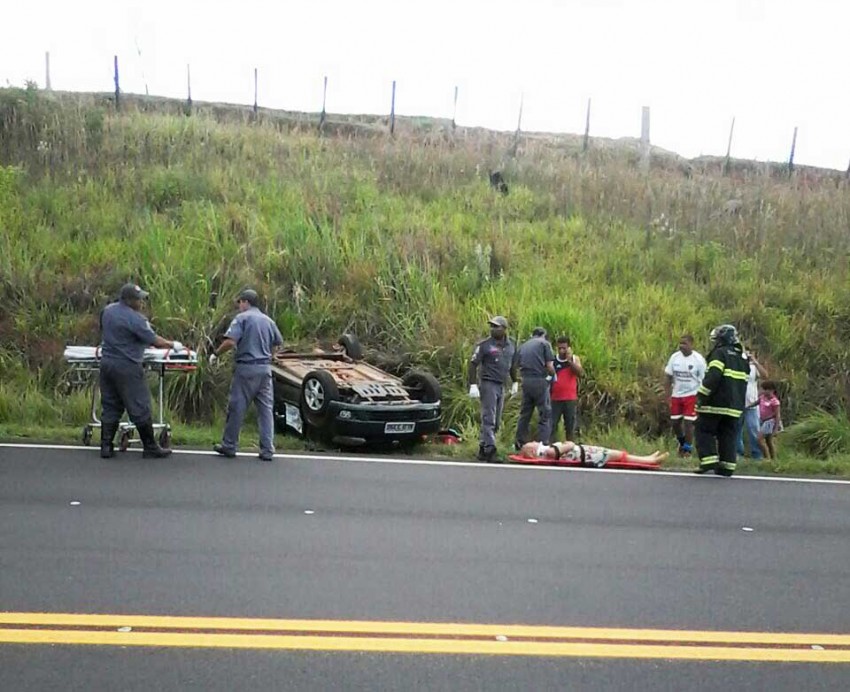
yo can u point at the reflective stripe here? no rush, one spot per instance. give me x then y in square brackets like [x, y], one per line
[717, 364]
[720, 411]
[708, 462]
[729, 465]
[735, 375]
[704, 390]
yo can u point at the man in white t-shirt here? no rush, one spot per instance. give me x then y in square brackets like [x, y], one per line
[683, 377]
[749, 420]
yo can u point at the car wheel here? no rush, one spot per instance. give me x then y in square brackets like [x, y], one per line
[318, 390]
[351, 346]
[422, 386]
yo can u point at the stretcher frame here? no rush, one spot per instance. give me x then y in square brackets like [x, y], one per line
[159, 361]
[537, 461]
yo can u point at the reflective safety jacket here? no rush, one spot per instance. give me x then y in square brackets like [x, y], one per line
[724, 387]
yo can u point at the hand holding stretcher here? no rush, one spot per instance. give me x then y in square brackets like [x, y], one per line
[574, 454]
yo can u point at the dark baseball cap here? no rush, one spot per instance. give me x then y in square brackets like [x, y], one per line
[498, 321]
[249, 295]
[129, 291]
[539, 331]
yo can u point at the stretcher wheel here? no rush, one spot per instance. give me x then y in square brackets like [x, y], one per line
[87, 433]
[124, 441]
[165, 438]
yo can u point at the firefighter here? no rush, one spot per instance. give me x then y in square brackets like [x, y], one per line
[720, 402]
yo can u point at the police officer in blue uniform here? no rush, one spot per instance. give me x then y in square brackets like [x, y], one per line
[255, 336]
[495, 357]
[536, 366]
[125, 333]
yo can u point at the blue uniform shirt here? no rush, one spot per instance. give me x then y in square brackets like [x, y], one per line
[255, 334]
[495, 358]
[533, 356]
[125, 333]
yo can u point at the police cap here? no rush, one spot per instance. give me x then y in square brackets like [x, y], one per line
[133, 291]
[250, 296]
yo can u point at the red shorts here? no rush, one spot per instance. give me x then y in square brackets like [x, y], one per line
[683, 407]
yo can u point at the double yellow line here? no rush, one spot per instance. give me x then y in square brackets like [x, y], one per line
[419, 637]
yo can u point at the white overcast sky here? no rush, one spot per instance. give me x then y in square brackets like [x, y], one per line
[773, 64]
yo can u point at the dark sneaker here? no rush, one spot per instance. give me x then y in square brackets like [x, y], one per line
[490, 456]
[221, 449]
[155, 452]
[266, 457]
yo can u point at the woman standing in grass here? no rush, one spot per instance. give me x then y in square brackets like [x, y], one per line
[771, 419]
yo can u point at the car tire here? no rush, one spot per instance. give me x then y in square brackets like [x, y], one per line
[318, 391]
[422, 386]
[351, 346]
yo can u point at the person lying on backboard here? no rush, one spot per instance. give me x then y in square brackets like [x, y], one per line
[586, 455]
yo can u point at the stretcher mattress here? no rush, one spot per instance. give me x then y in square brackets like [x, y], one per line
[644, 466]
[91, 355]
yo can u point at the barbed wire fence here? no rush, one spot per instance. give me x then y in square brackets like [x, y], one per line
[645, 145]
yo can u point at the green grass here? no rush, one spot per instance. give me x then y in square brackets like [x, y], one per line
[402, 241]
[189, 436]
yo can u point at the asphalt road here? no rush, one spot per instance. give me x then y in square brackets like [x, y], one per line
[343, 540]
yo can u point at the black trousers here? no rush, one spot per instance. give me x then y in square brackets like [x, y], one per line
[566, 410]
[717, 442]
[123, 386]
[535, 394]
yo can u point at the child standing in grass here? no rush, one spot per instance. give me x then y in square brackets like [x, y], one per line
[771, 420]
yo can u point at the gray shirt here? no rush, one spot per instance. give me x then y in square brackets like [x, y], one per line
[255, 334]
[533, 356]
[125, 334]
[494, 358]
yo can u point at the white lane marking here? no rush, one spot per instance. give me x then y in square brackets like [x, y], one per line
[292, 456]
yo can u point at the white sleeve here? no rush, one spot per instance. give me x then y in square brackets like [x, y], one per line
[668, 369]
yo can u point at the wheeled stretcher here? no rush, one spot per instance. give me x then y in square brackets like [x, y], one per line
[85, 360]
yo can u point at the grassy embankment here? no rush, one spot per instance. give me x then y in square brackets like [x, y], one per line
[403, 242]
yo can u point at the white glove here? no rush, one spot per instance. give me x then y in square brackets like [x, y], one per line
[177, 347]
[473, 392]
[551, 378]
[514, 388]
[213, 360]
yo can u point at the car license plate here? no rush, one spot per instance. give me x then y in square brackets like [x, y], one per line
[390, 428]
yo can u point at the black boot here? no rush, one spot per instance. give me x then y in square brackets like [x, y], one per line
[107, 435]
[150, 447]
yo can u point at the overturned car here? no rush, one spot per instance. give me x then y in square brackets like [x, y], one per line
[335, 395]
